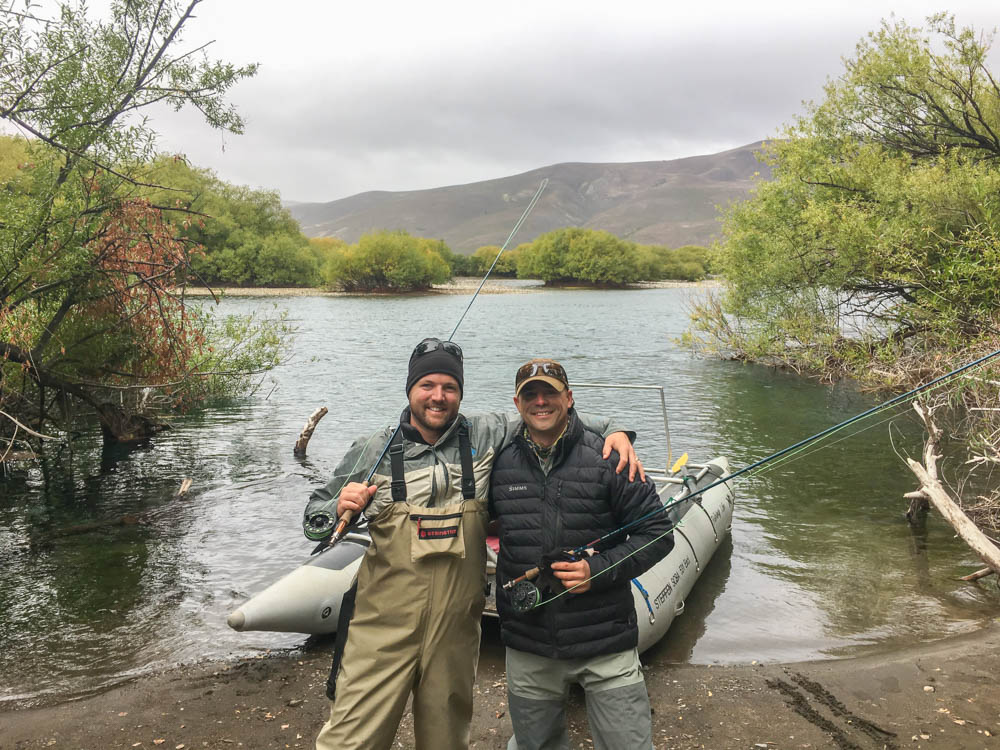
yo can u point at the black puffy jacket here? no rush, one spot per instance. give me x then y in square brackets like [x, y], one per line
[580, 500]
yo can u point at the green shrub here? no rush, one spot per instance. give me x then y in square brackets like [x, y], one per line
[386, 261]
[580, 255]
[460, 265]
[506, 266]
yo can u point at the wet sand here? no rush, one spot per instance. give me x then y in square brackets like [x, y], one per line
[940, 695]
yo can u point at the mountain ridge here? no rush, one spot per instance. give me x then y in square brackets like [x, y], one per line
[670, 203]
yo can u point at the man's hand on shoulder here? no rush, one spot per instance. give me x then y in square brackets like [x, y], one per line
[618, 441]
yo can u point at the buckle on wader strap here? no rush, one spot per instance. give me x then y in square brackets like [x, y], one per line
[465, 453]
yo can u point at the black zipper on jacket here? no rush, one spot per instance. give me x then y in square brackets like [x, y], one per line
[433, 517]
[552, 610]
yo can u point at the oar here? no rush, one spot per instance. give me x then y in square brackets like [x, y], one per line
[679, 464]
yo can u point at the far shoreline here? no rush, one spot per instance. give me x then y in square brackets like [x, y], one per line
[458, 285]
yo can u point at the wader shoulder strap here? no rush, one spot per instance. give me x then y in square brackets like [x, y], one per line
[465, 453]
[343, 623]
[396, 464]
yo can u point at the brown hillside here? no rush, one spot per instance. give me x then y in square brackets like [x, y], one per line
[669, 203]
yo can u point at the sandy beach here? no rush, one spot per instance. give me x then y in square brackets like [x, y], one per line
[940, 695]
[459, 285]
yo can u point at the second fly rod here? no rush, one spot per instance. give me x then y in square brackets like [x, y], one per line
[587, 549]
[909, 395]
[344, 520]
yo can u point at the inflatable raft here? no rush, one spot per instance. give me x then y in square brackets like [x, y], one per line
[307, 600]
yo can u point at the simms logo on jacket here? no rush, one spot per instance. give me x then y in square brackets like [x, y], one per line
[517, 488]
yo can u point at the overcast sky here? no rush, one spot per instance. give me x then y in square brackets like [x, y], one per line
[409, 95]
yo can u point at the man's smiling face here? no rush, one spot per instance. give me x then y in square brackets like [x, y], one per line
[544, 410]
[434, 402]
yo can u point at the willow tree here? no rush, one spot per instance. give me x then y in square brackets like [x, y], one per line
[92, 276]
[879, 235]
[874, 250]
[506, 264]
[247, 237]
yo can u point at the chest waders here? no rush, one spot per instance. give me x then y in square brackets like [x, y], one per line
[416, 621]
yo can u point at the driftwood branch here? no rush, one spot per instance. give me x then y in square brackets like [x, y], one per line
[25, 428]
[307, 431]
[978, 574]
[932, 489]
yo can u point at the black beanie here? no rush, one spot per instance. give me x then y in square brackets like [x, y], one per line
[437, 360]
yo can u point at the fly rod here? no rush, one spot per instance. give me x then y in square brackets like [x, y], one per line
[344, 520]
[803, 443]
[585, 550]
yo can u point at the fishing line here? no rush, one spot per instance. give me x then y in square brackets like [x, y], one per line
[762, 470]
[615, 565]
[674, 502]
[318, 521]
[513, 231]
[790, 453]
[821, 445]
[908, 396]
[817, 446]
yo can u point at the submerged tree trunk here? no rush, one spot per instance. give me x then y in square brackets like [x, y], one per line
[307, 431]
[118, 426]
[129, 519]
[932, 489]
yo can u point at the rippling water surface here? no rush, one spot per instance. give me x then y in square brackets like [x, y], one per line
[821, 563]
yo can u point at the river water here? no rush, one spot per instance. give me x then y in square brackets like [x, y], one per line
[821, 563]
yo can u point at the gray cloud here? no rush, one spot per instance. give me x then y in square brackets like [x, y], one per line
[413, 115]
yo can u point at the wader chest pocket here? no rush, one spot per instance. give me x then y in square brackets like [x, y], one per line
[436, 533]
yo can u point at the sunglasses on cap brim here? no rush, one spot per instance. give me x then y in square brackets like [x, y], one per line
[532, 369]
[431, 345]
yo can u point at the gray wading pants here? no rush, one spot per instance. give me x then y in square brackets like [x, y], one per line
[416, 627]
[617, 702]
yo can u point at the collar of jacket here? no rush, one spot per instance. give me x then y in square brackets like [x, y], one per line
[574, 428]
[412, 434]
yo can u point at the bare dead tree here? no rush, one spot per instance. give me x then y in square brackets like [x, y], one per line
[931, 489]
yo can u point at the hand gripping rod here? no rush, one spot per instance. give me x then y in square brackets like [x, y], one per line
[344, 520]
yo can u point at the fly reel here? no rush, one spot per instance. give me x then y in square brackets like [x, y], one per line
[524, 596]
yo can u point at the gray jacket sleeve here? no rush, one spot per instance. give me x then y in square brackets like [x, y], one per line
[321, 511]
[603, 426]
[498, 429]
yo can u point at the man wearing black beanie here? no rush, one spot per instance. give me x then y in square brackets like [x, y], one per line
[431, 356]
[420, 588]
